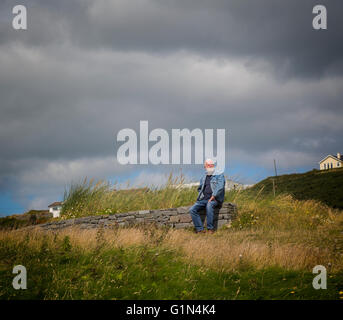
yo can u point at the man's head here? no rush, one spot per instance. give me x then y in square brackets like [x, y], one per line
[209, 166]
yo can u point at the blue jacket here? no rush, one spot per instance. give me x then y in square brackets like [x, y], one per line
[217, 185]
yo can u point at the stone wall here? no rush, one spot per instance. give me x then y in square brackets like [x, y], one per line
[174, 217]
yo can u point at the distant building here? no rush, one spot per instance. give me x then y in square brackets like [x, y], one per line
[229, 185]
[55, 208]
[331, 162]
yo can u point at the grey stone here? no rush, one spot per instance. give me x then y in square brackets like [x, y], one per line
[174, 219]
[163, 219]
[183, 209]
[128, 218]
[143, 211]
[120, 215]
[110, 223]
[224, 216]
[95, 217]
[223, 210]
[173, 213]
[221, 223]
[156, 213]
[185, 218]
[169, 213]
[182, 225]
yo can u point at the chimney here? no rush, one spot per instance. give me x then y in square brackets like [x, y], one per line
[338, 155]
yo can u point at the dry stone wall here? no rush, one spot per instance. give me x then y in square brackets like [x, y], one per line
[174, 217]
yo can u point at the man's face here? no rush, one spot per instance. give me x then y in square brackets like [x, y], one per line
[209, 167]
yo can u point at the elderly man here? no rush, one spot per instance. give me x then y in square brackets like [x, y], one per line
[211, 195]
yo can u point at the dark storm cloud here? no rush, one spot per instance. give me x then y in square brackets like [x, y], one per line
[86, 69]
[272, 30]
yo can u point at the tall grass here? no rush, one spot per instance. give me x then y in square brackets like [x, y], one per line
[97, 198]
[295, 232]
[159, 263]
[280, 231]
[280, 213]
[269, 251]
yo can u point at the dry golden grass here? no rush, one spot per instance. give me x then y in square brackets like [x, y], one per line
[283, 232]
[229, 250]
[86, 239]
[226, 250]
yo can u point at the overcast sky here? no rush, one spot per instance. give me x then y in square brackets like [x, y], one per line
[86, 69]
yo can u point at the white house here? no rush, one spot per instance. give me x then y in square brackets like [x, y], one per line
[331, 162]
[55, 208]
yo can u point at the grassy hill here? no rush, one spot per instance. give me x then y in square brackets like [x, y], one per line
[322, 185]
[267, 252]
[26, 219]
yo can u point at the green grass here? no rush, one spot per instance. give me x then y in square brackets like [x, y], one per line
[322, 185]
[12, 223]
[268, 252]
[26, 219]
[98, 198]
[59, 270]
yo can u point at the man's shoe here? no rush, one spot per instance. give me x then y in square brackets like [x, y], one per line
[210, 231]
[201, 231]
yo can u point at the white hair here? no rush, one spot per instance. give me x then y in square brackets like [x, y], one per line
[209, 161]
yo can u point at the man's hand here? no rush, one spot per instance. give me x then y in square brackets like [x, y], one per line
[211, 199]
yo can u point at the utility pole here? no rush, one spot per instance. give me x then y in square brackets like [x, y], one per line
[274, 184]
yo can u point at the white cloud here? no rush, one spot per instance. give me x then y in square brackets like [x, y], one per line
[154, 178]
[285, 159]
[42, 182]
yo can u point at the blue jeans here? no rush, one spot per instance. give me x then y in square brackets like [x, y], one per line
[194, 211]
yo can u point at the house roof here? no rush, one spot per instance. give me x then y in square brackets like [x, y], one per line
[330, 155]
[55, 204]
